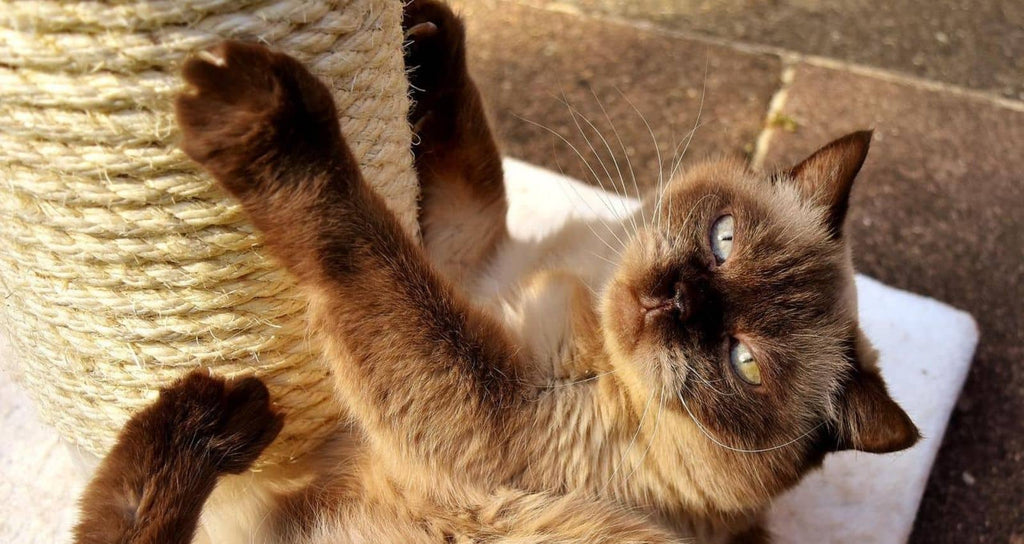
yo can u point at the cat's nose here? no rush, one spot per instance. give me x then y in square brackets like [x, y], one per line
[682, 301]
[672, 298]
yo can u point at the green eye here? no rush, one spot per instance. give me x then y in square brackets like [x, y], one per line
[744, 364]
[721, 238]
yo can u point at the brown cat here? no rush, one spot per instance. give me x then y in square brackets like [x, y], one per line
[660, 378]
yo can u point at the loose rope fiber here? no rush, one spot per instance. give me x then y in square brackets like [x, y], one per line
[122, 266]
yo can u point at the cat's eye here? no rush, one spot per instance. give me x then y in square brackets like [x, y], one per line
[744, 364]
[721, 238]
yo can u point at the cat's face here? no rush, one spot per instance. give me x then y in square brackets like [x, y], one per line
[735, 308]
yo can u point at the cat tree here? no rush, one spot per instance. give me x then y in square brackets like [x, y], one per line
[122, 266]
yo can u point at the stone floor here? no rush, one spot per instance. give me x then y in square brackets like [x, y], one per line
[938, 210]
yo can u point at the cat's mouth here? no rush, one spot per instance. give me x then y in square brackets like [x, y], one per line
[654, 307]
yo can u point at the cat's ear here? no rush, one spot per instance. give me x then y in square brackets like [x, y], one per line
[826, 177]
[869, 419]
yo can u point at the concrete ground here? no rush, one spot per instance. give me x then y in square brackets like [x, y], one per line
[938, 210]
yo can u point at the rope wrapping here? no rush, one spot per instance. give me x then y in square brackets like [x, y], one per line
[122, 266]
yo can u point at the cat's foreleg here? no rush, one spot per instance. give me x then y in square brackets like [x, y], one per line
[151, 487]
[463, 207]
[426, 373]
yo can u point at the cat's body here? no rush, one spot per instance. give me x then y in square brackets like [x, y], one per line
[632, 382]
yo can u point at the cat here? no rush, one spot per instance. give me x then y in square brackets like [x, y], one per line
[653, 380]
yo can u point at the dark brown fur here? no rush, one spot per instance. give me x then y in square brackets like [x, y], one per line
[457, 161]
[151, 487]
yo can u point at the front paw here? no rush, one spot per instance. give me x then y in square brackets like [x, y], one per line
[435, 56]
[249, 113]
[222, 425]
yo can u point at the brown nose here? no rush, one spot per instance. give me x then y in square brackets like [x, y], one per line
[683, 301]
[674, 299]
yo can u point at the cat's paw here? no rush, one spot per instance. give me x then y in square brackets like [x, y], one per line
[247, 108]
[221, 424]
[435, 55]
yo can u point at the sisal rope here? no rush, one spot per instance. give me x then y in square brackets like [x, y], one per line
[121, 265]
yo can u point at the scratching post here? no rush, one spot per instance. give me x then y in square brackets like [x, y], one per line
[122, 266]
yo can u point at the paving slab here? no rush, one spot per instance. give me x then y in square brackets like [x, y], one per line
[972, 43]
[524, 59]
[939, 210]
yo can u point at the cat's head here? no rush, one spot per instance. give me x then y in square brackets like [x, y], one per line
[735, 308]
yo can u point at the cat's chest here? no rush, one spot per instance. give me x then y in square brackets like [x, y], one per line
[541, 312]
[546, 296]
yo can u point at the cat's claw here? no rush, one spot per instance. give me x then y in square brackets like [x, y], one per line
[435, 54]
[421, 30]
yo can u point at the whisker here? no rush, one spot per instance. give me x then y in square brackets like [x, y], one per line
[696, 122]
[584, 380]
[654, 433]
[578, 154]
[706, 433]
[657, 150]
[616, 251]
[603, 258]
[615, 163]
[629, 446]
[625, 154]
[668, 204]
[697, 374]
[695, 206]
[573, 112]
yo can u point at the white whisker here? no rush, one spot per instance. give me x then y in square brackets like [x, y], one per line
[578, 154]
[654, 433]
[629, 446]
[615, 163]
[583, 380]
[695, 206]
[573, 112]
[657, 150]
[603, 258]
[696, 373]
[625, 154]
[706, 433]
[696, 122]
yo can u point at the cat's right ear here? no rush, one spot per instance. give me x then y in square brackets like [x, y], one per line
[869, 419]
[826, 177]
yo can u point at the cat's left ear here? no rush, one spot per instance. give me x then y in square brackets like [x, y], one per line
[869, 419]
[826, 177]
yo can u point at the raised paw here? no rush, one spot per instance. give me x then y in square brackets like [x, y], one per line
[247, 109]
[435, 56]
[221, 424]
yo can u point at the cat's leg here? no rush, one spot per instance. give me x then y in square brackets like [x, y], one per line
[151, 487]
[463, 208]
[427, 373]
